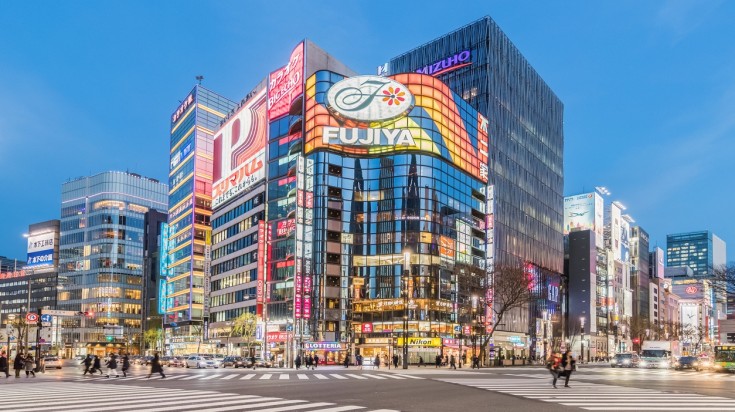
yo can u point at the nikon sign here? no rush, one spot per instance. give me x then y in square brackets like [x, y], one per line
[428, 342]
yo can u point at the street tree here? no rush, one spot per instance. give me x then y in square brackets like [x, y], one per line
[244, 326]
[152, 337]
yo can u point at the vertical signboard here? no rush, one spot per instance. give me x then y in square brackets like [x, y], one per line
[490, 264]
[615, 223]
[207, 273]
[624, 240]
[260, 288]
[163, 260]
[285, 84]
[41, 249]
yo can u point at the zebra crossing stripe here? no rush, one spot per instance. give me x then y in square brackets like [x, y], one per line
[408, 376]
[341, 408]
[242, 402]
[355, 376]
[337, 376]
[302, 376]
[375, 376]
[234, 375]
[284, 376]
[210, 377]
[391, 376]
[190, 377]
[287, 408]
[320, 376]
[266, 376]
[248, 376]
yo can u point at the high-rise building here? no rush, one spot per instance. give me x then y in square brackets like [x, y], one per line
[193, 125]
[526, 139]
[101, 256]
[154, 281]
[702, 251]
[639, 276]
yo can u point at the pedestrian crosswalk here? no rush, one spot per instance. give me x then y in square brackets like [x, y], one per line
[598, 397]
[271, 376]
[640, 374]
[71, 397]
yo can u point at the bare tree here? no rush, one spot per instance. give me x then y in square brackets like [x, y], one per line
[695, 334]
[511, 289]
[20, 329]
[723, 279]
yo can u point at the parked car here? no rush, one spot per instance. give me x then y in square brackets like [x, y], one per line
[177, 362]
[260, 363]
[201, 362]
[52, 362]
[235, 362]
[165, 361]
[625, 360]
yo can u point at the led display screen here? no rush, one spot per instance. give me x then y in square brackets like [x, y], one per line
[372, 116]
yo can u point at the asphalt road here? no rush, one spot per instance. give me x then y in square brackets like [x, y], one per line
[337, 389]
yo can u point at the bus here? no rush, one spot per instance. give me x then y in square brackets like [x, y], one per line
[724, 358]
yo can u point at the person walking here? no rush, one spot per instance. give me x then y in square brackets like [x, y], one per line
[358, 358]
[316, 361]
[18, 364]
[112, 366]
[96, 365]
[569, 364]
[376, 362]
[87, 362]
[553, 364]
[252, 361]
[125, 365]
[156, 367]
[452, 362]
[298, 362]
[4, 364]
[438, 360]
[347, 361]
[29, 364]
[395, 361]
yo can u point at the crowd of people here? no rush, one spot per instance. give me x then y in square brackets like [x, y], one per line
[93, 365]
[561, 366]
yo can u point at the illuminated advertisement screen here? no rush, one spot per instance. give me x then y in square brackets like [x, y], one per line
[163, 269]
[579, 213]
[41, 249]
[239, 151]
[624, 240]
[285, 84]
[371, 115]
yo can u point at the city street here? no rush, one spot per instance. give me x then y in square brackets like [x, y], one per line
[593, 387]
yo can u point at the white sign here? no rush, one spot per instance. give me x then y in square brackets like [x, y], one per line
[369, 99]
[367, 137]
[60, 312]
[41, 249]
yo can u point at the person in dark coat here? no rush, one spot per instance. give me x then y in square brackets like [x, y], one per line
[569, 365]
[29, 363]
[125, 365]
[308, 360]
[96, 365]
[376, 362]
[298, 362]
[87, 362]
[347, 361]
[438, 360]
[395, 361]
[112, 366]
[252, 360]
[156, 366]
[316, 361]
[4, 364]
[452, 362]
[18, 364]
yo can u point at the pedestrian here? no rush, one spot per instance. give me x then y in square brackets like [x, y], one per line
[4, 364]
[452, 362]
[359, 360]
[395, 360]
[29, 365]
[475, 362]
[125, 365]
[18, 364]
[347, 361]
[553, 364]
[316, 360]
[87, 362]
[156, 366]
[112, 366]
[252, 361]
[421, 362]
[298, 362]
[376, 362]
[569, 364]
[96, 365]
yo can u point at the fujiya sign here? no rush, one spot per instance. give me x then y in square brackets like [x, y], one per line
[369, 100]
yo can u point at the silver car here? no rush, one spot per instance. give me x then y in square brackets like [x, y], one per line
[201, 362]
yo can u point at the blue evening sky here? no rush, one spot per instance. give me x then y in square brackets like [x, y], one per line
[648, 88]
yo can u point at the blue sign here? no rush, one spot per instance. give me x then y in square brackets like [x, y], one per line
[46, 318]
[40, 258]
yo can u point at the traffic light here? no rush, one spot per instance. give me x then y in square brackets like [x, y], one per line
[636, 340]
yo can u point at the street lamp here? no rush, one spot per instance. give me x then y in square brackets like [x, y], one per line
[544, 313]
[406, 273]
[581, 340]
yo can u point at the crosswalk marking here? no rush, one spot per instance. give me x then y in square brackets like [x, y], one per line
[65, 396]
[320, 376]
[605, 398]
[391, 376]
[210, 377]
[266, 376]
[355, 376]
[284, 376]
[337, 376]
[191, 377]
[302, 376]
[234, 375]
[375, 376]
[263, 376]
[408, 376]
[248, 376]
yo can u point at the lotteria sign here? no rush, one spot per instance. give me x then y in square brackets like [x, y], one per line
[447, 64]
[323, 346]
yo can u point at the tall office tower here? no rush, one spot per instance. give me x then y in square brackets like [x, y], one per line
[702, 251]
[639, 277]
[193, 125]
[101, 251]
[526, 140]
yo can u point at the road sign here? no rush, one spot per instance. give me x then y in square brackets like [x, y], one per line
[60, 312]
[46, 320]
[31, 317]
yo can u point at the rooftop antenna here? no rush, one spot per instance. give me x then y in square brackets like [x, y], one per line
[199, 79]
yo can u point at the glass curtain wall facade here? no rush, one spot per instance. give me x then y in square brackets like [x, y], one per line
[193, 125]
[482, 65]
[693, 249]
[101, 257]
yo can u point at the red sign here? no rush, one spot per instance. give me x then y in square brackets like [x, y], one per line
[279, 336]
[31, 317]
[466, 330]
[367, 328]
[10, 275]
[285, 227]
[691, 290]
[285, 84]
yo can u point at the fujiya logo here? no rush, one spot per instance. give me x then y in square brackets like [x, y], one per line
[369, 99]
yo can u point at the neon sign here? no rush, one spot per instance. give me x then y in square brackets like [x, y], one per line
[447, 64]
[182, 108]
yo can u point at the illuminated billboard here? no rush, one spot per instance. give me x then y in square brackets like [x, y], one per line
[41, 249]
[285, 84]
[372, 116]
[585, 212]
[624, 240]
[239, 151]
